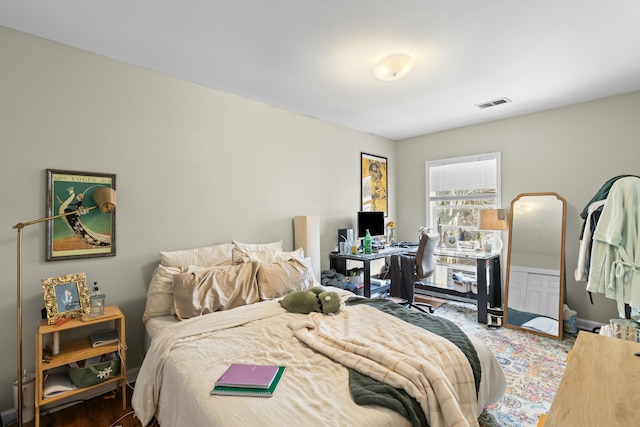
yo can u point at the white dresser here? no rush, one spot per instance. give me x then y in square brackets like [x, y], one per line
[534, 290]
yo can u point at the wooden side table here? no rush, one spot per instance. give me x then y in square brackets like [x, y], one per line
[600, 386]
[80, 349]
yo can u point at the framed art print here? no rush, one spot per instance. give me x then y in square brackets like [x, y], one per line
[65, 296]
[373, 180]
[83, 235]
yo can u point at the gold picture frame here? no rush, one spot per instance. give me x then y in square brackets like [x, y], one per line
[65, 297]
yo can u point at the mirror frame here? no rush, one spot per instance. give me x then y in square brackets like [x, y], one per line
[562, 266]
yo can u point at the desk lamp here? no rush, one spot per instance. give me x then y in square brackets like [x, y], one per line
[105, 199]
[493, 219]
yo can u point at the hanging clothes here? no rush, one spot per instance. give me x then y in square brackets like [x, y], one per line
[602, 193]
[615, 255]
[584, 252]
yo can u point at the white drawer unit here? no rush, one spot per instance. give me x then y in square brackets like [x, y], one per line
[534, 290]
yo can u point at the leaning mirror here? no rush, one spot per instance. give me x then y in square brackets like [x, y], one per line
[534, 289]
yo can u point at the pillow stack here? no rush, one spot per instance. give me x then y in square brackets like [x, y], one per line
[198, 281]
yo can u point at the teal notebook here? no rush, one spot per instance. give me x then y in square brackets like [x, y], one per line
[245, 391]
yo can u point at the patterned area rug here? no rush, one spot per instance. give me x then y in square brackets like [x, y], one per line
[533, 366]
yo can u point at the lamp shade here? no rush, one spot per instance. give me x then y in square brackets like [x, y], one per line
[105, 199]
[393, 67]
[493, 219]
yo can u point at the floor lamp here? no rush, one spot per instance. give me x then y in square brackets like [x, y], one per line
[105, 199]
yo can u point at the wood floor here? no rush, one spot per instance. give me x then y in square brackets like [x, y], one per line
[101, 411]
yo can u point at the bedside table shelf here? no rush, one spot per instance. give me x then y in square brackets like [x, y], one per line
[76, 350]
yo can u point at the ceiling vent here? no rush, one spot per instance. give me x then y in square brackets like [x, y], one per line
[493, 103]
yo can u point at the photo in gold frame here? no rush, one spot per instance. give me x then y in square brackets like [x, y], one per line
[65, 297]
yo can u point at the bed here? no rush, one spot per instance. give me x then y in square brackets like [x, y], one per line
[374, 363]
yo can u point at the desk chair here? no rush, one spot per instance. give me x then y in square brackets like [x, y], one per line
[406, 270]
[425, 256]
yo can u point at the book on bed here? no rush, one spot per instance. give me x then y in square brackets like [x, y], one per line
[249, 376]
[239, 390]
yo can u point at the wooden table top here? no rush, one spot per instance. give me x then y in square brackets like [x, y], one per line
[600, 386]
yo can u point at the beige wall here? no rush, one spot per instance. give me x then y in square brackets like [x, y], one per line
[194, 167]
[571, 151]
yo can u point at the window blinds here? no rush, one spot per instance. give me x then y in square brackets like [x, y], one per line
[475, 174]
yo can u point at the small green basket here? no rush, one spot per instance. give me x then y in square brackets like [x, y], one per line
[94, 374]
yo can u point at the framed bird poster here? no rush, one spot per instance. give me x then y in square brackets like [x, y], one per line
[86, 232]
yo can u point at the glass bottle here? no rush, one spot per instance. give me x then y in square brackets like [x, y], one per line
[96, 302]
[367, 242]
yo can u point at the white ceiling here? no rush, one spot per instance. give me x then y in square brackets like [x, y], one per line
[316, 57]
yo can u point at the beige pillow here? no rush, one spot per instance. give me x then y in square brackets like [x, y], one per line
[200, 291]
[278, 278]
[160, 293]
[265, 252]
[205, 257]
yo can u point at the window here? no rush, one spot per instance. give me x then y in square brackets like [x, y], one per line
[457, 188]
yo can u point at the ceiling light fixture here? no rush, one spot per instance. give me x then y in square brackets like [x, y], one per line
[393, 67]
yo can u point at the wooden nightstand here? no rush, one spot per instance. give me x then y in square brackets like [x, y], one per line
[600, 386]
[79, 349]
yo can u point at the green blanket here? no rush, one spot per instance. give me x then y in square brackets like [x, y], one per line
[367, 391]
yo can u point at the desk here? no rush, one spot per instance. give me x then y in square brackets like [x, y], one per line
[484, 262]
[600, 386]
[338, 262]
[489, 285]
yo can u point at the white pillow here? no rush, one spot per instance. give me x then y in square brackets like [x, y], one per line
[259, 246]
[240, 256]
[160, 293]
[266, 252]
[208, 256]
[268, 255]
[298, 253]
[309, 263]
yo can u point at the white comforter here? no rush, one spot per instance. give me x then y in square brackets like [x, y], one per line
[185, 359]
[430, 368]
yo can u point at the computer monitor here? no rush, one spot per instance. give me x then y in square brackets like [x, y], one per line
[373, 221]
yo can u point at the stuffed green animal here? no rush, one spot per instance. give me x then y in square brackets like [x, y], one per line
[314, 299]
